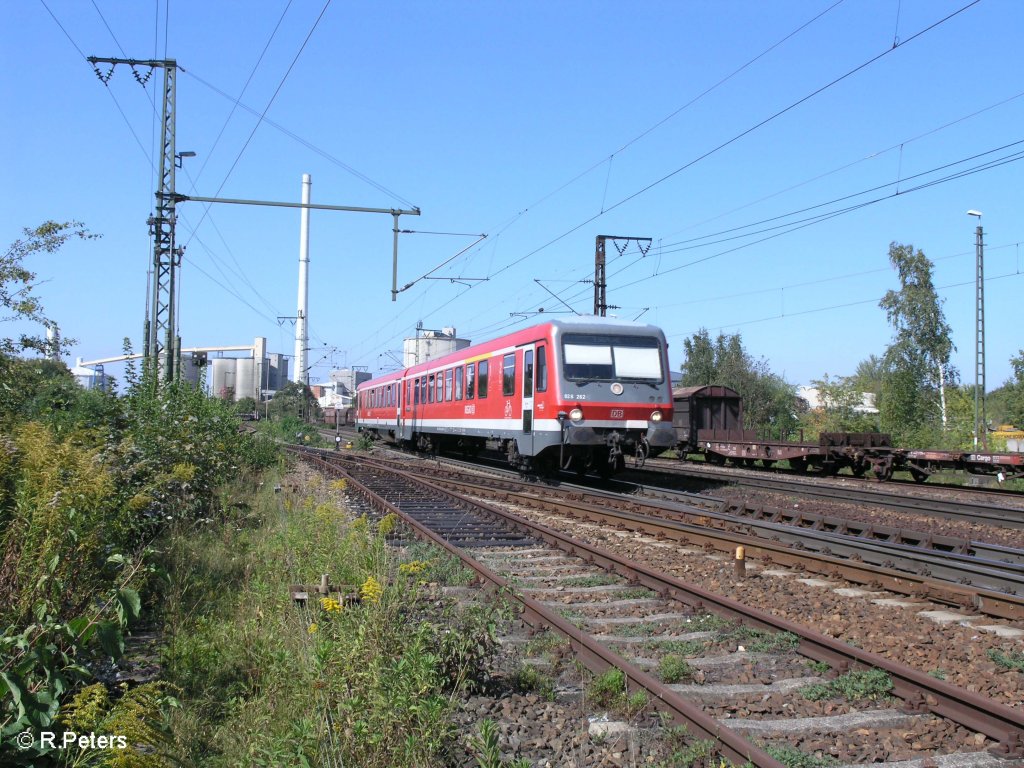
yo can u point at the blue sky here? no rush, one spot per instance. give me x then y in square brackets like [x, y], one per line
[731, 133]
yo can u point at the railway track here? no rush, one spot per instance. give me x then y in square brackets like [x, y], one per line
[617, 613]
[974, 575]
[977, 512]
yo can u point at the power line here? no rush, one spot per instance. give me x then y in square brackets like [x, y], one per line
[502, 227]
[843, 306]
[738, 136]
[245, 87]
[270, 103]
[819, 218]
[309, 145]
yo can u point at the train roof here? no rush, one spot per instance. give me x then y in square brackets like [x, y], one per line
[707, 390]
[580, 324]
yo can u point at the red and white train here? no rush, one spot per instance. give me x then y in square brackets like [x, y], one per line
[577, 393]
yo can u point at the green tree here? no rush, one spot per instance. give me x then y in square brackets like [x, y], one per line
[870, 375]
[17, 281]
[768, 401]
[917, 361]
[1006, 404]
[296, 400]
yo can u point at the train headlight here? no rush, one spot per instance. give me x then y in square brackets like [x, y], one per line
[656, 416]
[576, 415]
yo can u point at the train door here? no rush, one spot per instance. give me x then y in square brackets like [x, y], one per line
[401, 387]
[526, 444]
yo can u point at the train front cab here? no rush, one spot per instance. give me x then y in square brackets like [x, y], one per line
[615, 397]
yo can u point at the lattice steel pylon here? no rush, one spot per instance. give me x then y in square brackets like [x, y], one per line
[161, 343]
[980, 425]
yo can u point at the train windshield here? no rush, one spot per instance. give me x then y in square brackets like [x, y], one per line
[596, 357]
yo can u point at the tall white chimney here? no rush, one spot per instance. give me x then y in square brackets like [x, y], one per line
[301, 373]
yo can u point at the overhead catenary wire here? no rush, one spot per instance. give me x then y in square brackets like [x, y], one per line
[304, 142]
[235, 102]
[519, 260]
[270, 103]
[774, 116]
[643, 134]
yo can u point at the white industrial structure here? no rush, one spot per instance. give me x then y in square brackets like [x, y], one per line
[301, 372]
[428, 345]
[258, 375]
[340, 390]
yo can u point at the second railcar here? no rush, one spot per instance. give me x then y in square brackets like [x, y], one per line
[577, 393]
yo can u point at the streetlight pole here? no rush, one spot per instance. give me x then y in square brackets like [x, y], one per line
[979, 337]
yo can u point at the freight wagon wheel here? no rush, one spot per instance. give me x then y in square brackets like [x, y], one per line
[767, 463]
[919, 475]
[883, 472]
[859, 469]
[798, 465]
[714, 458]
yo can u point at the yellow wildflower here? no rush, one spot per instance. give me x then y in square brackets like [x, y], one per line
[413, 567]
[371, 591]
[312, 628]
[387, 524]
[330, 605]
[340, 485]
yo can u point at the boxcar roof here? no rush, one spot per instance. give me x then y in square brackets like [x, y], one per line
[708, 390]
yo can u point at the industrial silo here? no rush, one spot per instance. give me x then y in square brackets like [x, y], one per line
[223, 377]
[245, 378]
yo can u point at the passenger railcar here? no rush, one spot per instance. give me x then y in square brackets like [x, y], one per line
[577, 393]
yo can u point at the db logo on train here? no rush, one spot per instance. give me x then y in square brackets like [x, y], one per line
[617, 413]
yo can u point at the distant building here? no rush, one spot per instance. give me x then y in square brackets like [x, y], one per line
[814, 400]
[92, 378]
[429, 345]
[339, 391]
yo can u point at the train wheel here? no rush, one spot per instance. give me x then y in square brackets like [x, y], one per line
[918, 475]
[883, 472]
[714, 458]
[798, 465]
[859, 469]
[767, 463]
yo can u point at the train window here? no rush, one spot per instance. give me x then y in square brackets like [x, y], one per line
[430, 389]
[508, 374]
[458, 383]
[440, 387]
[527, 373]
[542, 369]
[470, 380]
[423, 389]
[416, 392]
[448, 384]
[482, 379]
[408, 394]
[600, 357]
